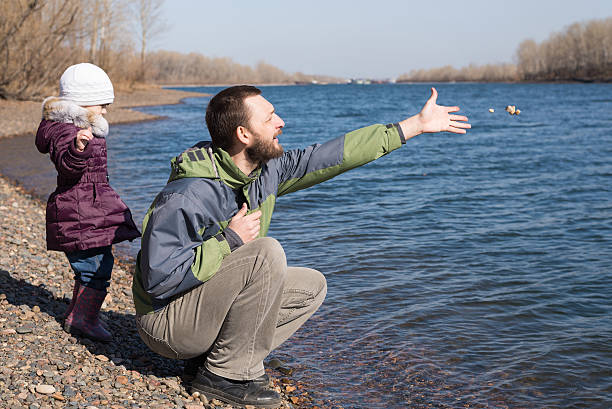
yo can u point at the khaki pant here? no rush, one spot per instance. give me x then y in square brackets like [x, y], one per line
[248, 308]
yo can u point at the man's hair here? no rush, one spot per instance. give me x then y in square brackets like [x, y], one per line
[227, 111]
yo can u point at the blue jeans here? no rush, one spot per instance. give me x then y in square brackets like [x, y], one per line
[92, 267]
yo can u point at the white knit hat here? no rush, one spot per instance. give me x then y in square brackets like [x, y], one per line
[86, 84]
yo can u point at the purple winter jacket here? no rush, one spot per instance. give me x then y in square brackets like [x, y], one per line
[84, 211]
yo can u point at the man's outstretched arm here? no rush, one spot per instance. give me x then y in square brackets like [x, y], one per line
[434, 118]
[303, 168]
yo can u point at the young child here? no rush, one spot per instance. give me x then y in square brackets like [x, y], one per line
[85, 216]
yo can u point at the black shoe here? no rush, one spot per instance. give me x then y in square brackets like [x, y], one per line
[192, 365]
[234, 392]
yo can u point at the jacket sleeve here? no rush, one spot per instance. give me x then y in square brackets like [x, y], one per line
[299, 169]
[181, 248]
[69, 162]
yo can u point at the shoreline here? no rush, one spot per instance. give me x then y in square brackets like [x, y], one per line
[47, 367]
[21, 118]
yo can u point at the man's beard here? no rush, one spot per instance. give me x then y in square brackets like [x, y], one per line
[262, 151]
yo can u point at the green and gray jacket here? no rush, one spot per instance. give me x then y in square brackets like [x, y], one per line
[185, 235]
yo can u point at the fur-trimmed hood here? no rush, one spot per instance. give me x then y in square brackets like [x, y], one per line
[61, 110]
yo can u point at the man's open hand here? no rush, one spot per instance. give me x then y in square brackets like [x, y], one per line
[438, 118]
[434, 118]
[246, 225]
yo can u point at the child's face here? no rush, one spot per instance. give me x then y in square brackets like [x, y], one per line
[97, 109]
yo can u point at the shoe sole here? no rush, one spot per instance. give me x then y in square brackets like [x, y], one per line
[211, 393]
[188, 379]
[79, 333]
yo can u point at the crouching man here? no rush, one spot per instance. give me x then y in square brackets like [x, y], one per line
[209, 286]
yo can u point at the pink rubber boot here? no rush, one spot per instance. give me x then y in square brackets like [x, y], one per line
[83, 319]
[75, 292]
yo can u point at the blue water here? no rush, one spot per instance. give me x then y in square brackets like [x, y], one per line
[463, 271]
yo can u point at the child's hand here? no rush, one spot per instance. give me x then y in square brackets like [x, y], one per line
[82, 139]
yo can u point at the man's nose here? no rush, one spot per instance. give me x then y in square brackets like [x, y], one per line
[279, 121]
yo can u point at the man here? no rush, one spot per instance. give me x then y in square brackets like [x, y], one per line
[209, 286]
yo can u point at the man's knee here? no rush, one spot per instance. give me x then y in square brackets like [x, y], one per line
[272, 249]
[269, 244]
[274, 255]
[320, 285]
[305, 286]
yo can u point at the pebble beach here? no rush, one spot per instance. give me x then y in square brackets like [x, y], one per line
[41, 365]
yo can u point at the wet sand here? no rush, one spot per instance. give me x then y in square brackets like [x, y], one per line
[21, 163]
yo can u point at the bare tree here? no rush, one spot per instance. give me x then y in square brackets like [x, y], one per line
[106, 24]
[150, 23]
[28, 62]
[528, 60]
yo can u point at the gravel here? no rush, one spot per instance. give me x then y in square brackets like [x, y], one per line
[44, 367]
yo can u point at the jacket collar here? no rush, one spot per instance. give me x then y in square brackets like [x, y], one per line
[230, 173]
[204, 160]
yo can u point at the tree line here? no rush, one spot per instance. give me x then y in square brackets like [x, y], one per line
[472, 73]
[40, 38]
[581, 52]
[173, 68]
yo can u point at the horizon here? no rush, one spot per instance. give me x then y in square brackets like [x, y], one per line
[487, 33]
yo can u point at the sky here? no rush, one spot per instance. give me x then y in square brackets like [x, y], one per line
[366, 39]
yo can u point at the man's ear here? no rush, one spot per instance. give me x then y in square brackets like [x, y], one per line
[243, 135]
